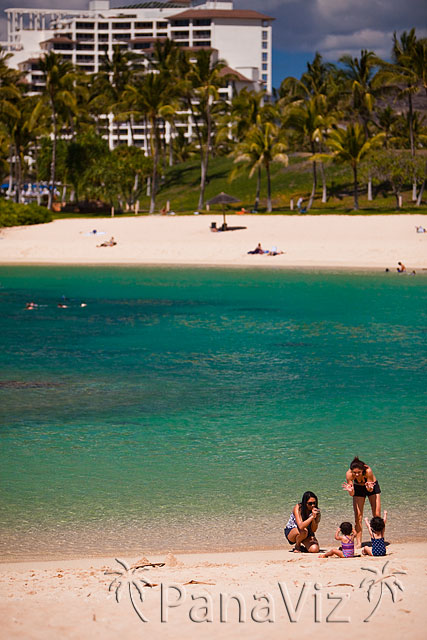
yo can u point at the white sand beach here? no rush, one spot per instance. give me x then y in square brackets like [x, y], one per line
[332, 241]
[70, 598]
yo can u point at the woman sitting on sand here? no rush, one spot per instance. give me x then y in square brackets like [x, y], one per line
[303, 523]
[361, 484]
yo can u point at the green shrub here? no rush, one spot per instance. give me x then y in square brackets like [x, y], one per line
[12, 214]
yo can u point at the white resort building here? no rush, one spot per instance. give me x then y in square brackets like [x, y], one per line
[242, 38]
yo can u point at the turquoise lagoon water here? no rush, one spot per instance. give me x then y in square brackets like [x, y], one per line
[189, 409]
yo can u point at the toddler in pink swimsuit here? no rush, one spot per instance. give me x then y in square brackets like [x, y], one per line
[345, 533]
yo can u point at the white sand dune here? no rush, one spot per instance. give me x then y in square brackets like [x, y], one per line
[337, 241]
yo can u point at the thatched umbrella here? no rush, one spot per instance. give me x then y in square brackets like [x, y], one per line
[223, 198]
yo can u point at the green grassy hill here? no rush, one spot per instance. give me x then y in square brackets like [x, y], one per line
[180, 186]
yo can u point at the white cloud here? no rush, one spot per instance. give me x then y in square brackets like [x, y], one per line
[335, 27]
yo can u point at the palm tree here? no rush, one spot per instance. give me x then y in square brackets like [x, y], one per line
[261, 148]
[205, 78]
[350, 145]
[152, 97]
[59, 78]
[245, 109]
[308, 118]
[405, 75]
[359, 73]
[115, 75]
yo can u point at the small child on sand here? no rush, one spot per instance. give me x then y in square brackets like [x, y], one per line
[376, 530]
[345, 533]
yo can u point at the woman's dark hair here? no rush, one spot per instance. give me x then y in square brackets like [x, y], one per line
[358, 464]
[377, 524]
[306, 497]
[346, 528]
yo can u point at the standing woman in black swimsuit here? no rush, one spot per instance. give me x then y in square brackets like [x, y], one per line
[361, 484]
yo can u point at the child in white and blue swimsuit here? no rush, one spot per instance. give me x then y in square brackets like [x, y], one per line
[376, 529]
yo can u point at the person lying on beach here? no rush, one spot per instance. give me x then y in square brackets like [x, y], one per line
[258, 249]
[108, 243]
[376, 528]
[303, 523]
[345, 533]
[274, 251]
[361, 484]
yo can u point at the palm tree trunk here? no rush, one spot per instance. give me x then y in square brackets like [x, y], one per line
[397, 196]
[313, 190]
[18, 174]
[53, 161]
[324, 190]
[370, 198]
[203, 176]
[269, 207]
[356, 187]
[258, 189]
[11, 157]
[36, 154]
[420, 195]
[412, 143]
[155, 161]
[205, 159]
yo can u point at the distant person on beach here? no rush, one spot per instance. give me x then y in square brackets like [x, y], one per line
[345, 534]
[258, 249]
[401, 267]
[108, 243]
[303, 523]
[376, 528]
[299, 205]
[361, 484]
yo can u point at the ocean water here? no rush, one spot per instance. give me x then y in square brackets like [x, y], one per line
[189, 409]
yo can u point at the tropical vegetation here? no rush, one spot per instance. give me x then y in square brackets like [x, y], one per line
[360, 115]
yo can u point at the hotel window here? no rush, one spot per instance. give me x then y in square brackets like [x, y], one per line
[103, 37]
[202, 34]
[264, 66]
[202, 43]
[103, 47]
[265, 45]
[121, 25]
[265, 23]
[102, 25]
[85, 25]
[203, 22]
[143, 25]
[265, 57]
[162, 25]
[265, 35]
[264, 77]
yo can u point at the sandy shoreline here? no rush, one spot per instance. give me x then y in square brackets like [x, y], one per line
[333, 241]
[70, 598]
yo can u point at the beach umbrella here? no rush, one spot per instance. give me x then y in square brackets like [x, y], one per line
[223, 198]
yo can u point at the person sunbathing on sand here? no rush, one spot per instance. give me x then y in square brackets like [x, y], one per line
[258, 249]
[303, 523]
[110, 243]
